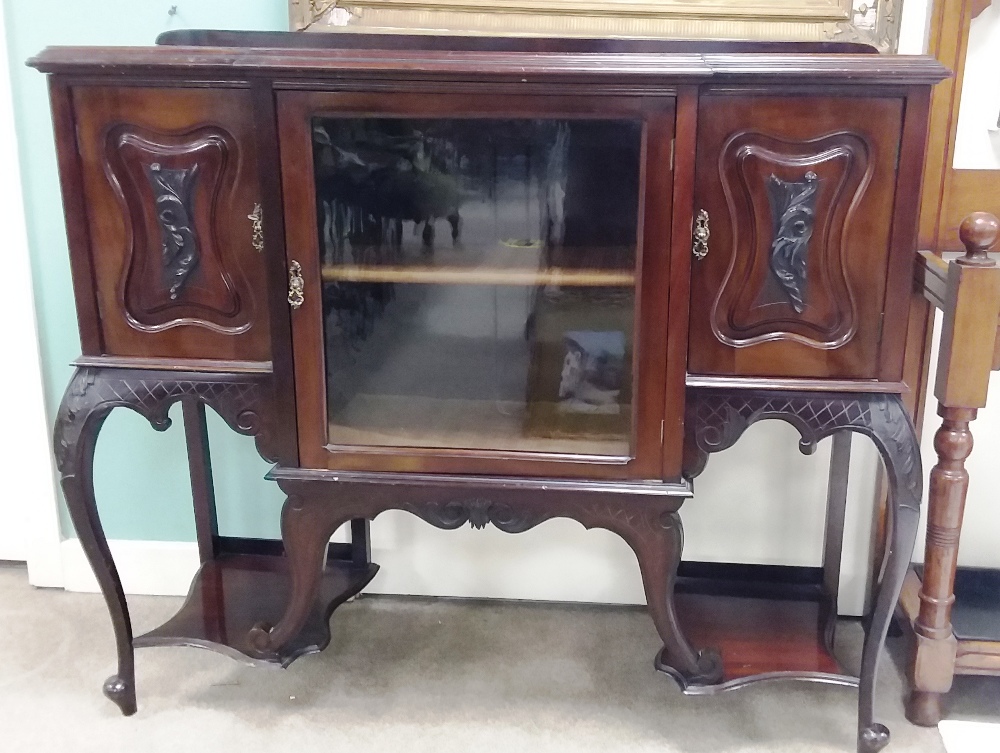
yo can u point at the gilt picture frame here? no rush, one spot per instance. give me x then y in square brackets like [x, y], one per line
[873, 22]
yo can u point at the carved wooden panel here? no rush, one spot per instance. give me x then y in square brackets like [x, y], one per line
[170, 179]
[798, 193]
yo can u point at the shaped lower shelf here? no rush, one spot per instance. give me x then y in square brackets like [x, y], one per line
[233, 592]
[763, 631]
[762, 634]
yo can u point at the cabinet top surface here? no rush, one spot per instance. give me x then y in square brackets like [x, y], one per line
[198, 55]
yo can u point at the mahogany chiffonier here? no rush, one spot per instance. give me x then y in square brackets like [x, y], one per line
[488, 282]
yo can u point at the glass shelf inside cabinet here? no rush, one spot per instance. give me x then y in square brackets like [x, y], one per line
[479, 281]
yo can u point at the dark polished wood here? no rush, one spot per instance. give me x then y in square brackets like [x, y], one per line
[320, 502]
[232, 593]
[362, 70]
[89, 399]
[272, 207]
[75, 212]
[206, 521]
[679, 290]
[751, 318]
[147, 152]
[190, 195]
[458, 43]
[746, 632]
[717, 419]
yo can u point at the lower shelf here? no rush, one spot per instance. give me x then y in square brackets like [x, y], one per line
[762, 631]
[234, 592]
[761, 634]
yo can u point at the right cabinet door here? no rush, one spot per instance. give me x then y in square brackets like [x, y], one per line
[792, 235]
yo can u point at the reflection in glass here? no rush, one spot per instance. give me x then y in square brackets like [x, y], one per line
[479, 281]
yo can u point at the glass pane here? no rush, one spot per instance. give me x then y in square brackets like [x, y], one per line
[479, 281]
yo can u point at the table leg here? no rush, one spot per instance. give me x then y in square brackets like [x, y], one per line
[658, 549]
[833, 535]
[897, 443]
[717, 418]
[91, 396]
[316, 508]
[81, 416]
[935, 646]
[206, 521]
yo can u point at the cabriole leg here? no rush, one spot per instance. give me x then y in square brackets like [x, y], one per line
[315, 509]
[307, 523]
[896, 440]
[659, 553]
[81, 415]
[655, 535]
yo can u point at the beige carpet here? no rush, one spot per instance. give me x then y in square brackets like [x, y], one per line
[405, 676]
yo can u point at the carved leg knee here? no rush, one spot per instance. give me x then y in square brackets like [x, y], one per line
[307, 524]
[83, 411]
[658, 549]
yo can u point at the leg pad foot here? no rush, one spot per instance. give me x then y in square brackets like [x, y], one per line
[122, 693]
[873, 739]
[709, 668]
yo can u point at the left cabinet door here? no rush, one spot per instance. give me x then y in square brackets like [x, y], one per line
[171, 190]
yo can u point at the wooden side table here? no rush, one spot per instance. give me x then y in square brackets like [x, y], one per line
[967, 291]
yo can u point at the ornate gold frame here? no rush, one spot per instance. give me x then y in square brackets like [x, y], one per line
[872, 21]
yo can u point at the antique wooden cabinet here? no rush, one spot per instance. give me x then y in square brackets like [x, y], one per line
[489, 281]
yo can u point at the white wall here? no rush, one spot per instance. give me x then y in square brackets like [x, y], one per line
[978, 144]
[28, 525]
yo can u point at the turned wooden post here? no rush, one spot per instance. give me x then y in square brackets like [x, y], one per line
[969, 331]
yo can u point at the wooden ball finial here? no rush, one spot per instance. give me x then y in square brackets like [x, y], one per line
[978, 232]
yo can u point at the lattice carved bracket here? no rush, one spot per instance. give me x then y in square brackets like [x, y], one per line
[717, 419]
[241, 400]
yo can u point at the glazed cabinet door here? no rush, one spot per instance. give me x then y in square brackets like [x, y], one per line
[792, 235]
[472, 277]
[172, 202]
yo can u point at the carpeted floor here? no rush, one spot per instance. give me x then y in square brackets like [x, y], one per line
[403, 676]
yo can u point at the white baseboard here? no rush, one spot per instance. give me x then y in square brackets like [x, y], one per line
[148, 568]
[165, 568]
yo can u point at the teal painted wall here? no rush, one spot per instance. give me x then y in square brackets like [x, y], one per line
[142, 494]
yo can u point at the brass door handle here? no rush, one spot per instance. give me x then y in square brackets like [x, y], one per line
[258, 228]
[701, 235]
[296, 285]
